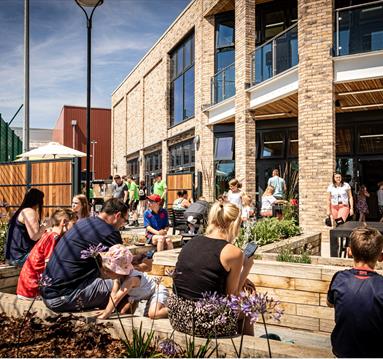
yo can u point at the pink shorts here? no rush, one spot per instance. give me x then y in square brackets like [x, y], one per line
[340, 210]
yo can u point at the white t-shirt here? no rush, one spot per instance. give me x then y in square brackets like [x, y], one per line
[339, 194]
[235, 198]
[247, 212]
[267, 202]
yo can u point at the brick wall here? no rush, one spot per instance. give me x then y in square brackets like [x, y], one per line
[316, 112]
[244, 124]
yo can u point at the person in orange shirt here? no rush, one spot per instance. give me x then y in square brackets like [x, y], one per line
[28, 285]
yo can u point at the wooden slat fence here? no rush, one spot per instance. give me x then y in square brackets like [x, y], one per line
[58, 179]
[177, 182]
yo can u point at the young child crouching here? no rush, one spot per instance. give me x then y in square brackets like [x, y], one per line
[357, 295]
[131, 284]
[61, 221]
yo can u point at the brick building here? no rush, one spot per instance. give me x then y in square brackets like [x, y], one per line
[239, 87]
[70, 130]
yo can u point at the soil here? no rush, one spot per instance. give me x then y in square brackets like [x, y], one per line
[59, 336]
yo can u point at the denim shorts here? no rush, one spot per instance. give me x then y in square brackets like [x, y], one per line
[91, 295]
[161, 295]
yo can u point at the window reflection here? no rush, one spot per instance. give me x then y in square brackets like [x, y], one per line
[224, 172]
[182, 84]
[343, 141]
[272, 144]
[371, 139]
[224, 45]
[224, 148]
[182, 155]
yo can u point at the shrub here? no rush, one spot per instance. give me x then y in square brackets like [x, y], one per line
[287, 255]
[267, 231]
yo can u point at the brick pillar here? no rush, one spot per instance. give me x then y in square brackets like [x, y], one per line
[165, 155]
[204, 70]
[316, 111]
[141, 165]
[244, 124]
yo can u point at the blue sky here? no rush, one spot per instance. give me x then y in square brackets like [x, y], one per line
[123, 31]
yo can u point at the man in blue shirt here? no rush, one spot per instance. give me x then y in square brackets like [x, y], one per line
[357, 295]
[279, 185]
[156, 223]
[75, 281]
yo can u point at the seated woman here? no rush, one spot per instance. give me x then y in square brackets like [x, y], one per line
[156, 223]
[131, 284]
[80, 206]
[61, 221]
[219, 267]
[268, 200]
[182, 202]
[25, 228]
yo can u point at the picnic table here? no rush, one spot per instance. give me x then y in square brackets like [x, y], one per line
[340, 236]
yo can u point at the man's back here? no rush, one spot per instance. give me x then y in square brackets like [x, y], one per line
[66, 268]
[357, 295]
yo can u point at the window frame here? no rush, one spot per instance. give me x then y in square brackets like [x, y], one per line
[179, 146]
[219, 18]
[174, 76]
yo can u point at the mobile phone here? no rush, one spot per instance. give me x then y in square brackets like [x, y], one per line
[250, 249]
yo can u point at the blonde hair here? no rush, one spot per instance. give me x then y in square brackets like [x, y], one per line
[268, 191]
[84, 205]
[226, 218]
[246, 199]
[60, 214]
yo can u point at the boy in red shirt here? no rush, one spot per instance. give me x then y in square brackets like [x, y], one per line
[61, 221]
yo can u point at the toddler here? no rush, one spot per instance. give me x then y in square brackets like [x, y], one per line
[131, 284]
[247, 209]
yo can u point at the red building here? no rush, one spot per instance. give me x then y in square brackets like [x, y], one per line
[70, 130]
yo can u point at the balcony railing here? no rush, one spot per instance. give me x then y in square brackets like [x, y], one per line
[276, 55]
[223, 84]
[359, 29]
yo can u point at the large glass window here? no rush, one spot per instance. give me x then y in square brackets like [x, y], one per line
[274, 17]
[273, 144]
[224, 152]
[153, 162]
[181, 157]
[224, 40]
[133, 168]
[182, 82]
[371, 139]
[344, 140]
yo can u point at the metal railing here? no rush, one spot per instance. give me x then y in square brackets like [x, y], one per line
[359, 28]
[275, 56]
[223, 84]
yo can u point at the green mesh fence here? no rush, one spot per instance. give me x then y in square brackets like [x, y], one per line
[10, 144]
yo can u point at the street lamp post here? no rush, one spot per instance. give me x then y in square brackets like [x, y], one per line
[92, 4]
[93, 142]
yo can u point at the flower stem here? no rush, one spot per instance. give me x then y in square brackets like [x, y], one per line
[22, 326]
[267, 335]
[240, 346]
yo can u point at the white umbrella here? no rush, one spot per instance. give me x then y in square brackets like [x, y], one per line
[51, 150]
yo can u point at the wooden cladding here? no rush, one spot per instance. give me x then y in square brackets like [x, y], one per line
[178, 182]
[54, 178]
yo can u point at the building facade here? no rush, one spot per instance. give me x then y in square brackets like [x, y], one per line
[239, 87]
[70, 130]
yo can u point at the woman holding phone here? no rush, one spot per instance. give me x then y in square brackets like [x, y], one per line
[219, 267]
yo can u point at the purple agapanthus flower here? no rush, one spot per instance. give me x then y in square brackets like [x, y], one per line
[168, 347]
[44, 281]
[93, 251]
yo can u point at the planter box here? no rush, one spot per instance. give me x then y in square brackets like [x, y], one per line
[8, 278]
[307, 242]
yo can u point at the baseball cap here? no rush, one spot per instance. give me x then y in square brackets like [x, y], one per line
[118, 259]
[154, 198]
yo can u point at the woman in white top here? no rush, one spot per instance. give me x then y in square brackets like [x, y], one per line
[340, 200]
[235, 195]
[268, 200]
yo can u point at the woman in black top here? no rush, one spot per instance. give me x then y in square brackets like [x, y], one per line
[209, 263]
[24, 228]
[142, 194]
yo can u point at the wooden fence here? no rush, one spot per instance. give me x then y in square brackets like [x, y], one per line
[177, 182]
[58, 179]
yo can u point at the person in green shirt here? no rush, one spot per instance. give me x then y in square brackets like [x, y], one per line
[160, 188]
[133, 200]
